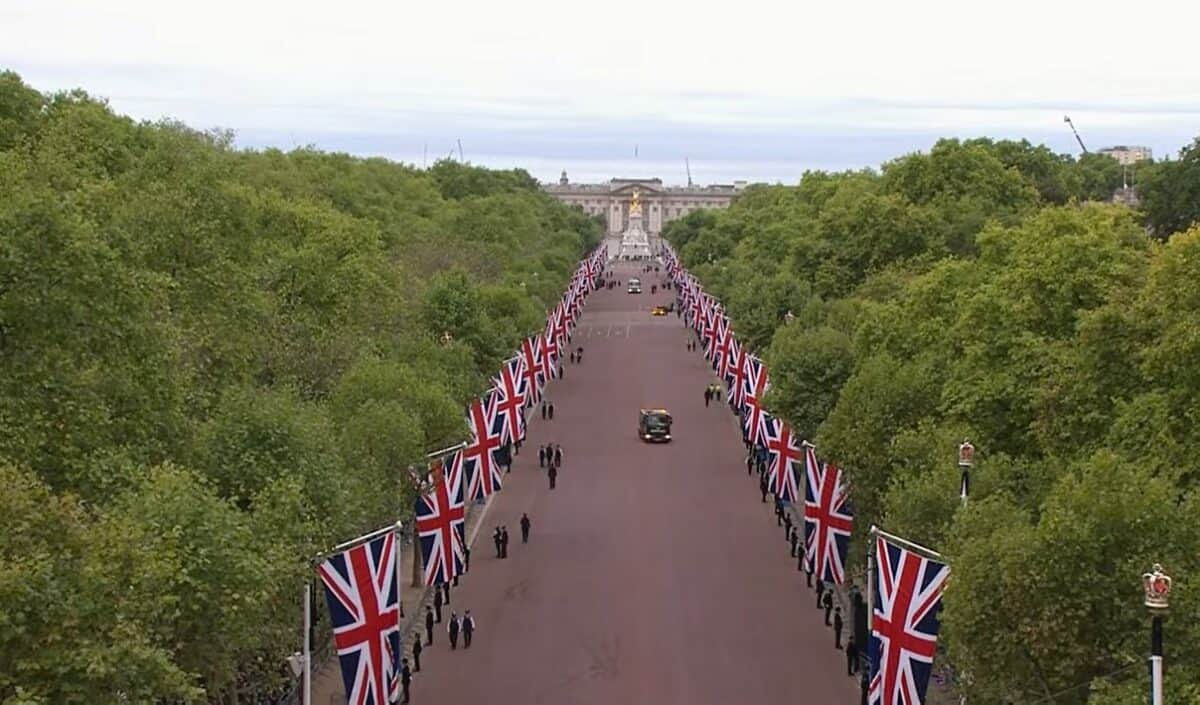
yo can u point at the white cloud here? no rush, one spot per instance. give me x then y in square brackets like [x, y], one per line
[412, 72]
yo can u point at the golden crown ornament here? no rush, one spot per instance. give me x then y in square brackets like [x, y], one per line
[1158, 588]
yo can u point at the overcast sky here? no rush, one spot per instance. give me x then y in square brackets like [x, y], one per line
[753, 89]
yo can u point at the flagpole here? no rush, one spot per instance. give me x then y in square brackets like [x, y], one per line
[354, 542]
[443, 451]
[398, 528]
[308, 641]
[914, 547]
[866, 648]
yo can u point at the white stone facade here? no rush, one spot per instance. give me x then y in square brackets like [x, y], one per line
[660, 204]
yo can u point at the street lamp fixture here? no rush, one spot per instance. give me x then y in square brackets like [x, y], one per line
[966, 459]
[1157, 587]
[447, 338]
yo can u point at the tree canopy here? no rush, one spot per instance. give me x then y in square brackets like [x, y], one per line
[216, 363]
[979, 291]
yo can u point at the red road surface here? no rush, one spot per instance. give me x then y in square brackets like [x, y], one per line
[653, 572]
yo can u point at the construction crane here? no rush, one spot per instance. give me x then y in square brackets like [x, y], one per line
[1067, 119]
[688, 165]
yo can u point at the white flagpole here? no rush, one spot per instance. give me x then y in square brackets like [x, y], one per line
[307, 641]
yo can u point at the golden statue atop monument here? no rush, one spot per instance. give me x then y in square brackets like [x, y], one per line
[635, 208]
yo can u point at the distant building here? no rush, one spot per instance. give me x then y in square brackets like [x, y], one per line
[659, 204]
[1127, 154]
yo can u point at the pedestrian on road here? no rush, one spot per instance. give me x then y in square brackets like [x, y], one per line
[837, 628]
[416, 652]
[707, 395]
[800, 565]
[749, 463]
[468, 629]
[560, 372]
[525, 524]
[820, 593]
[572, 357]
[787, 528]
[778, 510]
[851, 656]
[828, 604]
[506, 454]
[466, 559]
[579, 353]
[553, 476]
[793, 538]
[808, 573]
[557, 455]
[446, 589]
[428, 624]
[437, 605]
[405, 678]
[496, 539]
[551, 411]
[453, 628]
[541, 456]
[762, 487]
[504, 542]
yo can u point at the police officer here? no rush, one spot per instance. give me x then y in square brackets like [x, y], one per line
[851, 656]
[437, 605]
[453, 628]
[525, 524]
[820, 593]
[762, 487]
[828, 604]
[553, 473]
[837, 628]
[557, 455]
[468, 628]
[792, 536]
[498, 540]
[541, 456]
[416, 652]
[405, 678]
[787, 529]
[428, 624]
[504, 542]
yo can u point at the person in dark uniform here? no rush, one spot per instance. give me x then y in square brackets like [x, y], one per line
[437, 605]
[428, 624]
[416, 652]
[453, 628]
[762, 487]
[525, 524]
[749, 463]
[506, 454]
[541, 456]
[504, 542]
[837, 627]
[828, 602]
[466, 559]
[820, 593]
[557, 455]
[543, 409]
[579, 353]
[560, 372]
[787, 528]
[496, 539]
[405, 678]
[553, 476]
[707, 396]
[552, 403]
[793, 538]
[851, 656]
[446, 590]
[778, 511]
[468, 628]
[808, 574]
[572, 357]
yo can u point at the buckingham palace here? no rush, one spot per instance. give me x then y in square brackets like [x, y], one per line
[659, 204]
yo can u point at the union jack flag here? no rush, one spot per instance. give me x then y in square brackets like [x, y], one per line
[725, 345]
[511, 394]
[828, 518]
[479, 459]
[441, 518]
[904, 625]
[533, 370]
[736, 376]
[364, 606]
[756, 386]
[550, 349]
[785, 454]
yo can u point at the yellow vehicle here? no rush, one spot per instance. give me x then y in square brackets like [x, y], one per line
[654, 425]
[658, 311]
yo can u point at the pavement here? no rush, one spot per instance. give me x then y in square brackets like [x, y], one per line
[653, 573]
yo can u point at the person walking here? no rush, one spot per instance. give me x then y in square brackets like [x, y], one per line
[851, 656]
[468, 628]
[762, 487]
[557, 455]
[446, 589]
[707, 396]
[525, 524]
[572, 357]
[552, 407]
[416, 653]
[405, 678]
[553, 476]
[541, 456]
[453, 628]
[496, 539]
[793, 538]
[828, 605]
[837, 627]
[504, 542]
[466, 559]
[437, 605]
[543, 410]
[428, 625]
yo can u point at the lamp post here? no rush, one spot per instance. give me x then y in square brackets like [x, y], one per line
[966, 458]
[1157, 585]
[447, 338]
